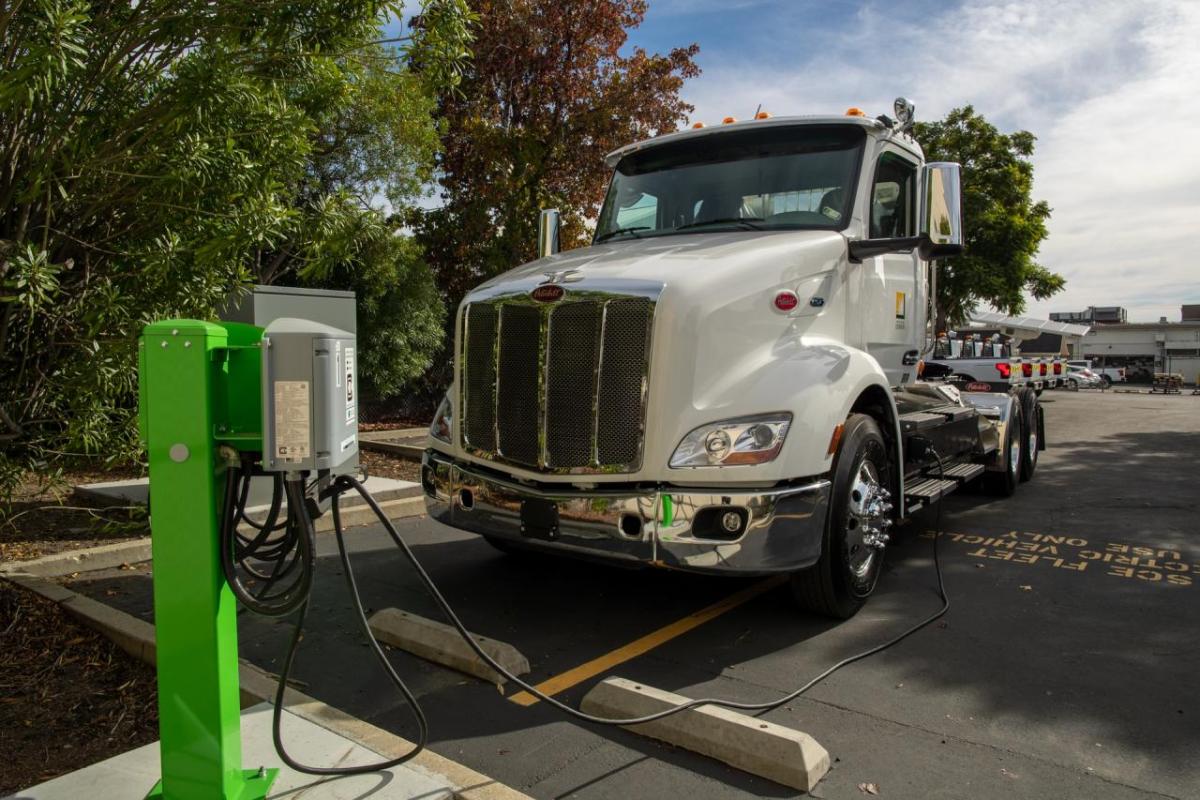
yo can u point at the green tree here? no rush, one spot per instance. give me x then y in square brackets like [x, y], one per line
[1002, 225]
[158, 155]
[546, 95]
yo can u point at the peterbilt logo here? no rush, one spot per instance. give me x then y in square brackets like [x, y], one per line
[548, 293]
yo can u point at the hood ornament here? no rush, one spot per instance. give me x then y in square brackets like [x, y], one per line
[562, 276]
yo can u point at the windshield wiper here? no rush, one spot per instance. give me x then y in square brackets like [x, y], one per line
[747, 222]
[609, 234]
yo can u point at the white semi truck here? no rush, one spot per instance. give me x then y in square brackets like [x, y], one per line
[728, 380]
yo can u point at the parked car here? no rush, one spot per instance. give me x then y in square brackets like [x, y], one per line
[1082, 378]
[1107, 375]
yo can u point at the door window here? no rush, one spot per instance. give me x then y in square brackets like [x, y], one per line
[893, 197]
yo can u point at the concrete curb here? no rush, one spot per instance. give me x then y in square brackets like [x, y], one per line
[411, 452]
[102, 556]
[107, 556]
[136, 637]
[442, 644]
[786, 756]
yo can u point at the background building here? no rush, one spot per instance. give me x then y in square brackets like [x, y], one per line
[1094, 315]
[1144, 348]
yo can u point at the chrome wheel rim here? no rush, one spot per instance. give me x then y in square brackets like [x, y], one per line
[867, 521]
[1014, 456]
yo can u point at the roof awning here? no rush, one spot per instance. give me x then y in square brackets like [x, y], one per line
[1029, 327]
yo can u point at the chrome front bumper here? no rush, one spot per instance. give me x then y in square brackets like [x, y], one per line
[782, 527]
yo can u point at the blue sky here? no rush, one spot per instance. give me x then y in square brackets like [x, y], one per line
[1109, 87]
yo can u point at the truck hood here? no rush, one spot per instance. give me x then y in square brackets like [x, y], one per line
[686, 258]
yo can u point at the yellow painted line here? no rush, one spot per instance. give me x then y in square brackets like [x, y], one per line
[573, 677]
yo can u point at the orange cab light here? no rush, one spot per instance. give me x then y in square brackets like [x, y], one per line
[855, 111]
[697, 125]
[763, 115]
[728, 120]
[835, 440]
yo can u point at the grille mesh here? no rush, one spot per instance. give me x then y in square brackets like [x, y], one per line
[517, 407]
[571, 385]
[479, 420]
[582, 364]
[622, 373]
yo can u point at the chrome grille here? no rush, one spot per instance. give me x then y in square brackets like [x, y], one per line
[479, 377]
[621, 373]
[557, 387]
[572, 355]
[517, 387]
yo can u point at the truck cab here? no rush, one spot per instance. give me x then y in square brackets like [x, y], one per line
[727, 379]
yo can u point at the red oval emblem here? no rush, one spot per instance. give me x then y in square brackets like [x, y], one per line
[979, 387]
[786, 300]
[550, 293]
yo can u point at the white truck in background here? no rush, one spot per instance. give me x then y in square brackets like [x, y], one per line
[985, 364]
[728, 379]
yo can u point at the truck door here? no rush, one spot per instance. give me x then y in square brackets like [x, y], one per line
[894, 310]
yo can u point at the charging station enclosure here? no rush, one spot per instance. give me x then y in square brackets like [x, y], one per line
[310, 397]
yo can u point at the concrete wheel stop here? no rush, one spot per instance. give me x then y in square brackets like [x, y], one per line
[437, 642]
[786, 756]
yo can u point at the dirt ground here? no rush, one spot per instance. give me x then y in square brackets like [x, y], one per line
[43, 517]
[389, 466]
[68, 696]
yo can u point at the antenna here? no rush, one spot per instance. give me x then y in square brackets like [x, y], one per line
[756, 111]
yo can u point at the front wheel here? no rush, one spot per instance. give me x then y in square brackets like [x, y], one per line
[856, 525]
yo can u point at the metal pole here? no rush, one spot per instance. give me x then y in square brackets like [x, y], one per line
[190, 389]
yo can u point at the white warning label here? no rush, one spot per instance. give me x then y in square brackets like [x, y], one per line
[292, 421]
[351, 402]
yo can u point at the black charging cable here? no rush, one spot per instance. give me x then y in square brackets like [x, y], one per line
[296, 549]
[272, 555]
[346, 482]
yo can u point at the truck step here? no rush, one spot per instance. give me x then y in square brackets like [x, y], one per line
[928, 490]
[915, 421]
[964, 472]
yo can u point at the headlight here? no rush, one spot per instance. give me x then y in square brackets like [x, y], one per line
[440, 429]
[746, 440]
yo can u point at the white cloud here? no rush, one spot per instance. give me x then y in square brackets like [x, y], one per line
[1107, 86]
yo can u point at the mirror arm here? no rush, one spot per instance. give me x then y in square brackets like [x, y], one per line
[868, 248]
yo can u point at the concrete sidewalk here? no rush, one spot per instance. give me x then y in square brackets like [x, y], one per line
[131, 774]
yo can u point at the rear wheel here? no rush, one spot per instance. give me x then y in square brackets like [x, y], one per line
[1107, 381]
[856, 525]
[1030, 409]
[1004, 482]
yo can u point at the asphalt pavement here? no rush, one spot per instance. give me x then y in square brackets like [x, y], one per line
[1066, 667]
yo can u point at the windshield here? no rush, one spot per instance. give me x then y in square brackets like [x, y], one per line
[757, 179]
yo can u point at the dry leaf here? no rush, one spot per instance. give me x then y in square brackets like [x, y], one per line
[869, 788]
[1025, 587]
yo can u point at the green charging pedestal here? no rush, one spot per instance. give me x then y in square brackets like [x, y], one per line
[199, 390]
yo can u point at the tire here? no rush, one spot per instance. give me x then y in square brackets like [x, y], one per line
[1107, 381]
[1004, 483]
[844, 577]
[1073, 385]
[1030, 409]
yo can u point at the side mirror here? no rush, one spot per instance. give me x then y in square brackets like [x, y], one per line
[941, 210]
[547, 237]
[940, 234]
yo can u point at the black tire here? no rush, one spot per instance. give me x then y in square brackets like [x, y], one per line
[1107, 381]
[841, 581]
[1004, 482]
[1030, 409]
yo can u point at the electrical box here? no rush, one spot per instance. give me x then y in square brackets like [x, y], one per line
[310, 397]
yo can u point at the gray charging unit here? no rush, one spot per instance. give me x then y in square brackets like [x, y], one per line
[310, 397]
